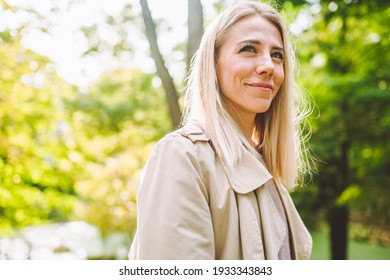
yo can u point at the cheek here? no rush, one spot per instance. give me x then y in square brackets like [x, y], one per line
[224, 76]
[280, 77]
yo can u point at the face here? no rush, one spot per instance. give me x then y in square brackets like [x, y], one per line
[250, 67]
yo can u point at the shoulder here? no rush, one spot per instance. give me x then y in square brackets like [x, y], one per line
[183, 139]
[187, 146]
[194, 133]
[180, 154]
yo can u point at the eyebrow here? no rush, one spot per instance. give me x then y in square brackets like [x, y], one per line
[257, 42]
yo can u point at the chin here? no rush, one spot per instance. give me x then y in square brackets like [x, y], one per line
[262, 109]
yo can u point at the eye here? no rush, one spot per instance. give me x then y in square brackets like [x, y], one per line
[278, 55]
[248, 48]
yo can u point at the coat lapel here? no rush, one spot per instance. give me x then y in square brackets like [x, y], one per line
[273, 227]
[300, 237]
[248, 174]
[262, 228]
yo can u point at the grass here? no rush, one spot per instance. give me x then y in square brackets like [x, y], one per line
[356, 250]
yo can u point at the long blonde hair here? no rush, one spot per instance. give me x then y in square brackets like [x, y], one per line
[277, 130]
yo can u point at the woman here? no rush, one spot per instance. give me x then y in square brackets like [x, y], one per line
[216, 188]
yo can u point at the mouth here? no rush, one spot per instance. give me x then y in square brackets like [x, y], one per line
[261, 86]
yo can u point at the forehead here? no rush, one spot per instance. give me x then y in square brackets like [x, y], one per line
[254, 28]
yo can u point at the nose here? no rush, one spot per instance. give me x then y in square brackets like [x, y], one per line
[265, 66]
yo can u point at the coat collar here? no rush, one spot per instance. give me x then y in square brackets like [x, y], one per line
[246, 175]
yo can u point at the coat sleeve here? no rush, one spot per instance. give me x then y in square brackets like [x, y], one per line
[173, 214]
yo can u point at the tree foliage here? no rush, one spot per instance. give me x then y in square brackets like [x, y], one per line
[114, 123]
[36, 168]
[344, 59]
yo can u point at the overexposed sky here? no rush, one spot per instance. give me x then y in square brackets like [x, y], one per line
[65, 44]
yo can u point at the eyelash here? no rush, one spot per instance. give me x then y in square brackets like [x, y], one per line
[250, 48]
[279, 55]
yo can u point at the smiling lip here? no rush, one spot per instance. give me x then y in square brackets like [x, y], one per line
[261, 85]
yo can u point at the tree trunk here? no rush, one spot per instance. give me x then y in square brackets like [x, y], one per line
[195, 28]
[339, 215]
[338, 221]
[163, 73]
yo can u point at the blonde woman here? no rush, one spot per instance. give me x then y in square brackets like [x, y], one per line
[218, 187]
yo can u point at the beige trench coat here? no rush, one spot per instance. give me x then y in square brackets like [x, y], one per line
[192, 206]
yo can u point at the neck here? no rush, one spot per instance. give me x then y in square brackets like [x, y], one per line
[247, 128]
[246, 121]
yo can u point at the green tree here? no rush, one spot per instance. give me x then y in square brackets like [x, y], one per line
[70, 155]
[36, 168]
[344, 59]
[115, 126]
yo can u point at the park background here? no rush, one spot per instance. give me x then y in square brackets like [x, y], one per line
[88, 87]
